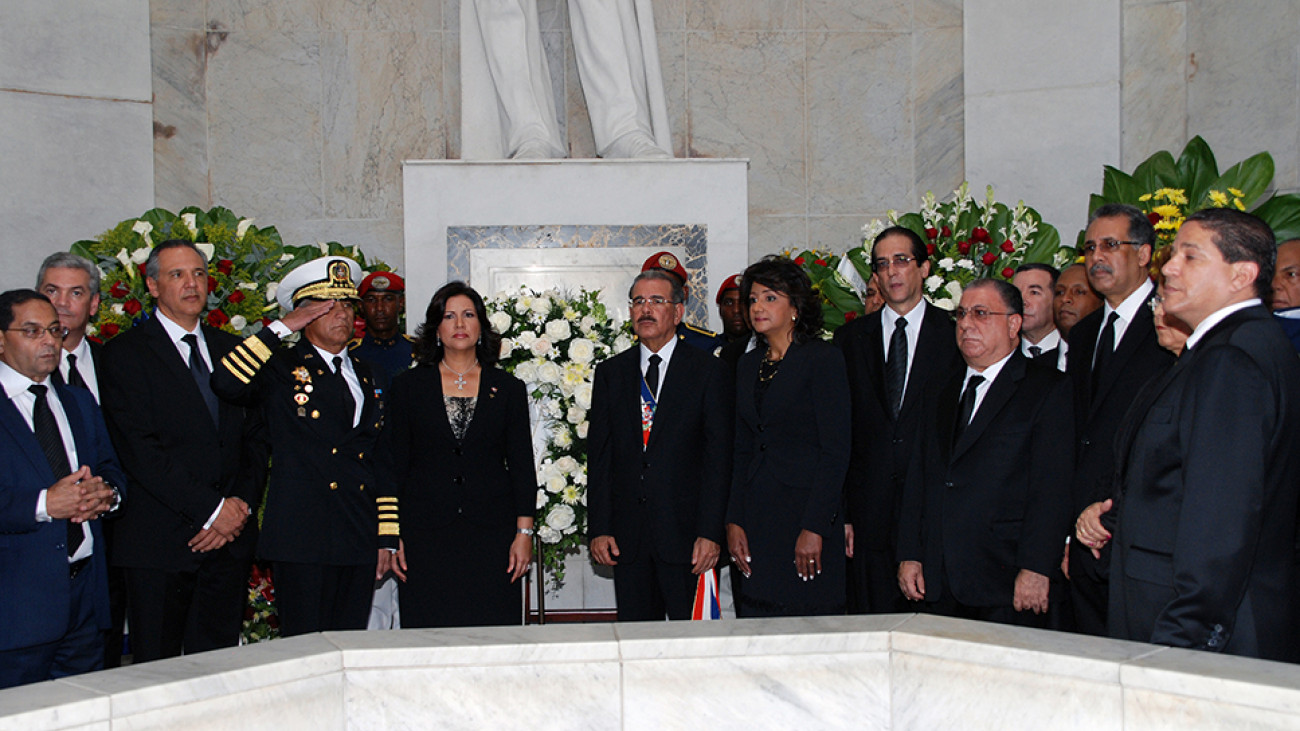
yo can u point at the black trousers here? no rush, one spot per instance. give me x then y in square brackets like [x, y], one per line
[648, 589]
[175, 612]
[318, 598]
[873, 583]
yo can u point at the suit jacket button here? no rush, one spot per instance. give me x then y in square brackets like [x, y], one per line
[641, 499]
[458, 479]
[1084, 442]
[762, 427]
[363, 486]
[762, 447]
[334, 450]
[334, 485]
[361, 455]
[458, 451]
[645, 465]
[898, 441]
[948, 485]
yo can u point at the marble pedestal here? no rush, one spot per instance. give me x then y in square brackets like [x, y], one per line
[882, 672]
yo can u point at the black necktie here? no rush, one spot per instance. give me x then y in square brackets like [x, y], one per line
[1105, 348]
[349, 403]
[47, 435]
[74, 375]
[199, 370]
[896, 367]
[966, 408]
[652, 374]
[1035, 350]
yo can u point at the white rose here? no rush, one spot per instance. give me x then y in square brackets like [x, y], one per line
[965, 264]
[521, 306]
[945, 304]
[582, 430]
[549, 371]
[555, 484]
[587, 324]
[540, 305]
[527, 372]
[563, 439]
[191, 222]
[118, 309]
[575, 415]
[242, 228]
[621, 343]
[582, 397]
[271, 289]
[933, 282]
[140, 255]
[541, 347]
[582, 350]
[558, 330]
[500, 321]
[542, 499]
[208, 250]
[561, 518]
[239, 322]
[954, 289]
[566, 464]
[548, 534]
[947, 264]
[507, 347]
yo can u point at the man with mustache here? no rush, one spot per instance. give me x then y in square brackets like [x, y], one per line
[660, 470]
[1113, 352]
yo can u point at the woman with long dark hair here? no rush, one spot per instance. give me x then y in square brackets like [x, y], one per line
[785, 531]
[457, 444]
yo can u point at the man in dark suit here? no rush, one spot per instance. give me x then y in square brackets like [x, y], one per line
[1039, 338]
[1073, 300]
[53, 582]
[893, 359]
[988, 500]
[1204, 553]
[194, 464]
[1113, 353]
[660, 466]
[330, 524]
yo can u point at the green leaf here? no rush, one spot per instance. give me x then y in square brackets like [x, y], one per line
[1282, 214]
[914, 222]
[1047, 240]
[158, 216]
[1251, 176]
[858, 256]
[82, 249]
[1157, 171]
[1119, 187]
[1197, 168]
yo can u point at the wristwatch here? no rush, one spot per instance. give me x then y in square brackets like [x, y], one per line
[524, 531]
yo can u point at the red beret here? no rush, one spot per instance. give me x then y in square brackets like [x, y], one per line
[666, 261]
[381, 282]
[732, 282]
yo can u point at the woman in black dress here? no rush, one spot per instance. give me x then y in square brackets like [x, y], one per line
[784, 528]
[457, 443]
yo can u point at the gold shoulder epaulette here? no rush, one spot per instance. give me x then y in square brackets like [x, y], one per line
[354, 342]
[700, 330]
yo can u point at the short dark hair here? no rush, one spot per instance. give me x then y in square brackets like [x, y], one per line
[1007, 291]
[14, 297]
[661, 275]
[1034, 266]
[1242, 237]
[69, 260]
[784, 276]
[428, 350]
[151, 264]
[919, 252]
[1139, 225]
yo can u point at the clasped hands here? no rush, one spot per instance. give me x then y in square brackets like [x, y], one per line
[79, 497]
[229, 524]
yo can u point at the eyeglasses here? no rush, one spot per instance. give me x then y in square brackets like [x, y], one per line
[1155, 301]
[898, 262]
[31, 332]
[1090, 247]
[979, 313]
[655, 301]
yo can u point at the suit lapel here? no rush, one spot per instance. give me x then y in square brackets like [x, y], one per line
[176, 367]
[76, 424]
[1141, 330]
[1000, 391]
[875, 351]
[24, 438]
[924, 360]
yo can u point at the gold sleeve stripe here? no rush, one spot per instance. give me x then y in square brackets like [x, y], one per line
[389, 529]
[237, 358]
[230, 366]
[258, 347]
[385, 499]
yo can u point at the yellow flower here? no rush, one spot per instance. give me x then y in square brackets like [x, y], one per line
[1145, 198]
[1236, 192]
[1218, 198]
[1173, 195]
[1167, 211]
[1237, 202]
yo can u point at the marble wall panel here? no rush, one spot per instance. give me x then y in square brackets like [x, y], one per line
[672, 64]
[264, 15]
[936, 14]
[379, 238]
[776, 234]
[838, 234]
[72, 168]
[265, 137]
[1050, 44]
[539, 696]
[840, 690]
[48, 706]
[1243, 81]
[566, 82]
[388, 15]
[1146, 710]
[450, 103]
[98, 49]
[727, 15]
[180, 121]
[188, 14]
[745, 99]
[670, 14]
[310, 704]
[929, 693]
[858, 15]
[382, 94]
[859, 122]
[1153, 99]
[938, 114]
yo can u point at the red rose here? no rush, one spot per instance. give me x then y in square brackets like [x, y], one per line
[212, 283]
[266, 321]
[144, 270]
[980, 234]
[217, 318]
[1008, 273]
[963, 247]
[820, 262]
[132, 306]
[1008, 247]
[946, 231]
[109, 330]
[119, 290]
[931, 233]
[1153, 217]
[799, 260]
[236, 297]
[850, 316]
[929, 249]
[988, 258]
[225, 265]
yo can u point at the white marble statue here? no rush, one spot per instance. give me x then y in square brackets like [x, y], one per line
[508, 106]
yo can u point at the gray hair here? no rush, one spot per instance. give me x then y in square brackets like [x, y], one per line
[69, 260]
[152, 266]
[1139, 226]
[678, 289]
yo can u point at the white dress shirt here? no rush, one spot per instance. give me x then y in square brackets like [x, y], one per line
[913, 330]
[85, 366]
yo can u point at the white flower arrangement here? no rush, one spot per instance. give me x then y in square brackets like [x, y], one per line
[551, 341]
